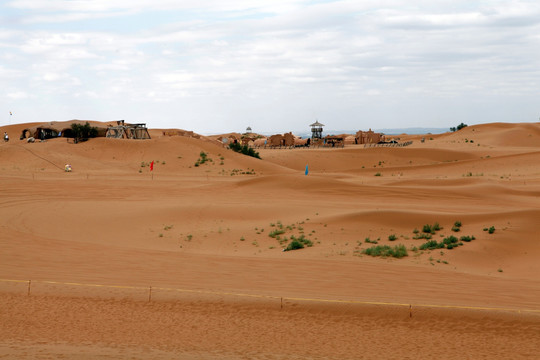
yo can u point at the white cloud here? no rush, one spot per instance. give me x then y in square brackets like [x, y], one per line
[275, 58]
[17, 95]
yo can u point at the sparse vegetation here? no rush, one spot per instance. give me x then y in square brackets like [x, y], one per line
[392, 237]
[428, 229]
[431, 245]
[244, 149]
[203, 158]
[369, 241]
[397, 251]
[303, 240]
[449, 243]
[457, 226]
[276, 232]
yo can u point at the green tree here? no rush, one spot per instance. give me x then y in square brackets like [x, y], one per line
[459, 127]
[83, 132]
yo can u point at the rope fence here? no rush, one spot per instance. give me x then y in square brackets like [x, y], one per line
[150, 291]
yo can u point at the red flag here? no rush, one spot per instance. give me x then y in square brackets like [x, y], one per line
[152, 165]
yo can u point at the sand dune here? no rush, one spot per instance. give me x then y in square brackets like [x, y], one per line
[203, 228]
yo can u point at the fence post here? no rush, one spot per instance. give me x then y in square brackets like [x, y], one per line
[29, 282]
[150, 294]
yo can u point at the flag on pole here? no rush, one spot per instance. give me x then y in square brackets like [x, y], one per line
[152, 165]
[307, 171]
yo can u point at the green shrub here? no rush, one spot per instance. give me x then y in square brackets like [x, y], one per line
[392, 237]
[203, 158]
[467, 238]
[459, 127]
[368, 240]
[436, 227]
[83, 132]
[294, 245]
[397, 251]
[427, 229]
[455, 229]
[422, 236]
[451, 240]
[302, 239]
[244, 149]
[276, 232]
[431, 245]
[491, 230]
[457, 224]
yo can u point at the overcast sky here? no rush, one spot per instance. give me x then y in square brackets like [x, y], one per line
[215, 66]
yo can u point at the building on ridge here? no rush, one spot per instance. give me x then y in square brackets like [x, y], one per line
[316, 130]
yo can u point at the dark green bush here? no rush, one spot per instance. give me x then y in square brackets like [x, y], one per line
[294, 245]
[467, 238]
[244, 149]
[431, 245]
[450, 240]
[491, 230]
[397, 251]
[427, 229]
[459, 127]
[83, 132]
[302, 239]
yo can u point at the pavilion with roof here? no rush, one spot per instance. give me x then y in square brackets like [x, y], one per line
[316, 130]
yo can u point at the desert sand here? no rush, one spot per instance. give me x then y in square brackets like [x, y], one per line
[116, 261]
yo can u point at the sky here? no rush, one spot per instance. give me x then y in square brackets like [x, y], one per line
[216, 66]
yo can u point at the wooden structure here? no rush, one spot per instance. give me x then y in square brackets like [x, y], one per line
[334, 141]
[316, 130]
[127, 131]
